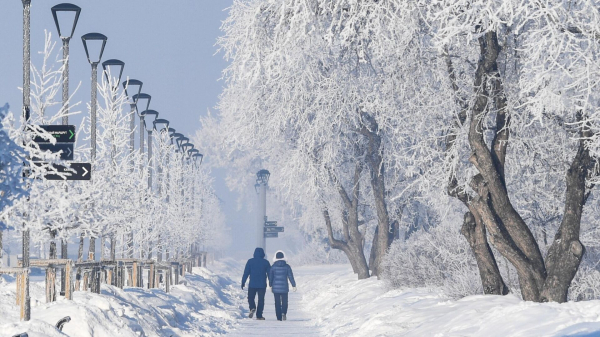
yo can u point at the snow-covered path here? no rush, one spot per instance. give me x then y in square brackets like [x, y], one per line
[300, 322]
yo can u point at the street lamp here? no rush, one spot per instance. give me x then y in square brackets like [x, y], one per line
[61, 13]
[262, 178]
[139, 100]
[152, 115]
[132, 86]
[112, 67]
[175, 136]
[159, 122]
[94, 39]
[182, 141]
[198, 155]
[186, 148]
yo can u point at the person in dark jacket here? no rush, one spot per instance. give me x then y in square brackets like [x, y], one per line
[279, 275]
[258, 270]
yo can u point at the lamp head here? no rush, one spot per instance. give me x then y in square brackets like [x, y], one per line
[60, 13]
[111, 68]
[262, 176]
[134, 87]
[149, 117]
[161, 124]
[139, 100]
[95, 40]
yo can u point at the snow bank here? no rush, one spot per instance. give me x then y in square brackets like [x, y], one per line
[203, 304]
[348, 307]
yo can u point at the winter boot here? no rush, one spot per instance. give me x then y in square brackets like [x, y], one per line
[251, 313]
[260, 318]
[283, 317]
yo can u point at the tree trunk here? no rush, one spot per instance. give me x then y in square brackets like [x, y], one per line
[474, 231]
[566, 252]
[519, 242]
[374, 159]
[355, 256]
[473, 228]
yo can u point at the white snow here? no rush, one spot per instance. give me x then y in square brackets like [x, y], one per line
[329, 302]
[203, 304]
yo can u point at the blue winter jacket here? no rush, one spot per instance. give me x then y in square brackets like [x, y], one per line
[258, 270]
[279, 275]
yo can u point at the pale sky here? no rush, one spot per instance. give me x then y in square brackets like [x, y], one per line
[168, 45]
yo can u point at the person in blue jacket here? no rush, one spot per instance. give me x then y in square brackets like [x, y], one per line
[279, 275]
[258, 270]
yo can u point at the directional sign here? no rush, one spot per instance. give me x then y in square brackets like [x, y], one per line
[67, 149]
[62, 133]
[271, 235]
[270, 223]
[83, 171]
[273, 229]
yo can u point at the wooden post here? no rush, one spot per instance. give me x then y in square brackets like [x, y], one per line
[50, 284]
[23, 291]
[67, 281]
[134, 269]
[19, 285]
[167, 279]
[151, 276]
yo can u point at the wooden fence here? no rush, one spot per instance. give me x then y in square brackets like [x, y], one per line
[89, 275]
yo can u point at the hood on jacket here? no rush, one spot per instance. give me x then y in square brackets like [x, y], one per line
[275, 259]
[259, 253]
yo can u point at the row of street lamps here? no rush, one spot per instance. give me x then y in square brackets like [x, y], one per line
[148, 118]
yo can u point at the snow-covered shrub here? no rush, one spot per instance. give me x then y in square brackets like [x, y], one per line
[437, 258]
[11, 156]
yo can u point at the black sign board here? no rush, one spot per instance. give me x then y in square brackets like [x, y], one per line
[273, 229]
[270, 223]
[271, 235]
[62, 133]
[67, 149]
[83, 171]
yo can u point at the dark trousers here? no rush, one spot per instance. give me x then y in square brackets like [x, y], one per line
[261, 300]
[281, 304]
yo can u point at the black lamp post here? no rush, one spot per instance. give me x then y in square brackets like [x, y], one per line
[262, 178]
[95, 38]
[149, 117]
[60, 19]
[132, 86]
[139, 100]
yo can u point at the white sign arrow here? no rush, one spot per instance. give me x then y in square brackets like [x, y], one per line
[69, 149]
[85, 172]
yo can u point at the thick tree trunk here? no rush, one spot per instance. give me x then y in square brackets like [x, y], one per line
[473, 228]
[374, 159]
[519, 243]
[474, 231]
[566, 252]
[355, 255]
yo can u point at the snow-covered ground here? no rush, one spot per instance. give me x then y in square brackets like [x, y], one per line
[203, 304]
[329, 302]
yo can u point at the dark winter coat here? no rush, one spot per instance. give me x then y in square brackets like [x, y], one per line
[258, 270]
[279, 275]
